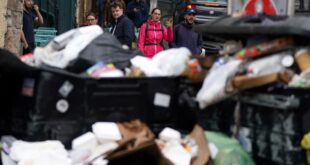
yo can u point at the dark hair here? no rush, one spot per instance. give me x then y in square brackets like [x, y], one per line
[118, 3]
[91, 14]
[155, 9]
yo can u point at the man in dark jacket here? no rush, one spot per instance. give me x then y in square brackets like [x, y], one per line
[137, 11]
[184, 36]
[122, 27]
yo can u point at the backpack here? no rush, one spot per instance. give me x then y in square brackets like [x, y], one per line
[147, 29]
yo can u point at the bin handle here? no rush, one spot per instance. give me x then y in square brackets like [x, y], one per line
[270, 100]
[258, 19]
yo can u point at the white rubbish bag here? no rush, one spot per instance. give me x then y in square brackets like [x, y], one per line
[214, 85]
[66, 47]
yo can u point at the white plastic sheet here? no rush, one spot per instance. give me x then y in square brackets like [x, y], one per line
[214, 85]
[66, 47]
[49, 152]
[266, 65]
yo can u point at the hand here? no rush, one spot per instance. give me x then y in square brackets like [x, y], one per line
[169, 22]
[36, 7]
[26, 45]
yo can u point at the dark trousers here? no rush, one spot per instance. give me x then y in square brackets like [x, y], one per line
[30, 48]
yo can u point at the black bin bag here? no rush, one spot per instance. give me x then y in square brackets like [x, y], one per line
[12, 71]
[105, 48]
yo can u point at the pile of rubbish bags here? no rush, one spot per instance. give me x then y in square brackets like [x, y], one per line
[113, 143]
[90, 52]
[128, 143]
[241, 67]
[258, 61]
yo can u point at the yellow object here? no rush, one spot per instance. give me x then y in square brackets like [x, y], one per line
[305, 143]
[110, 66]
[188, 148]
[303, 59]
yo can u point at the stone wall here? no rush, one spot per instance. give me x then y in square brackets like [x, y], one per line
[11, 24]
[14, 25]
[3, 27]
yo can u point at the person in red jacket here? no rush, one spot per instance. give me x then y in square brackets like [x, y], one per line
[152, 33]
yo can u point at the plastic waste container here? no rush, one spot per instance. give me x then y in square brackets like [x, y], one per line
[270, 120]
[54, 104]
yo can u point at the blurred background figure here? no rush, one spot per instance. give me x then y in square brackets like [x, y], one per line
[122, 27]
[31, 17]
[184, 36]
[92, 19]
[108, 13]
[101, 6]
[152, 33]
[137, 11]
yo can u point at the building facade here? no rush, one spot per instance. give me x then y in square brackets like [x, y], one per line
[59, 14]
[11, 24]
[83, 7]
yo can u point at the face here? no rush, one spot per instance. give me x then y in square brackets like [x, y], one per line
[91, 20]
[117, 12]
[156, 15]
[189, 18]
[28, 4]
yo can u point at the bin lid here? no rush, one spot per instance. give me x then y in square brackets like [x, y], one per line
[244, 26]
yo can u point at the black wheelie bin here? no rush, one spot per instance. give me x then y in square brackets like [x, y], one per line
[272, 119]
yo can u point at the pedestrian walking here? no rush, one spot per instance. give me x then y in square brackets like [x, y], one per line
[122, 26]
[137, 11]
[31, 16]
[184, 36]
[152, 33]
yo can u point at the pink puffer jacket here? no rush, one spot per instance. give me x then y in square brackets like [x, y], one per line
[150, 43]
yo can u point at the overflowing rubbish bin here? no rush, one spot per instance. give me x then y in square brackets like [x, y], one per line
[255, 91]
[264, 102]
[84, 92]
[61, 96]
[268, 132]
[54, 104]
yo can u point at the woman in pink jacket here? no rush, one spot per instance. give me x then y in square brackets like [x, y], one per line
[152, 33]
